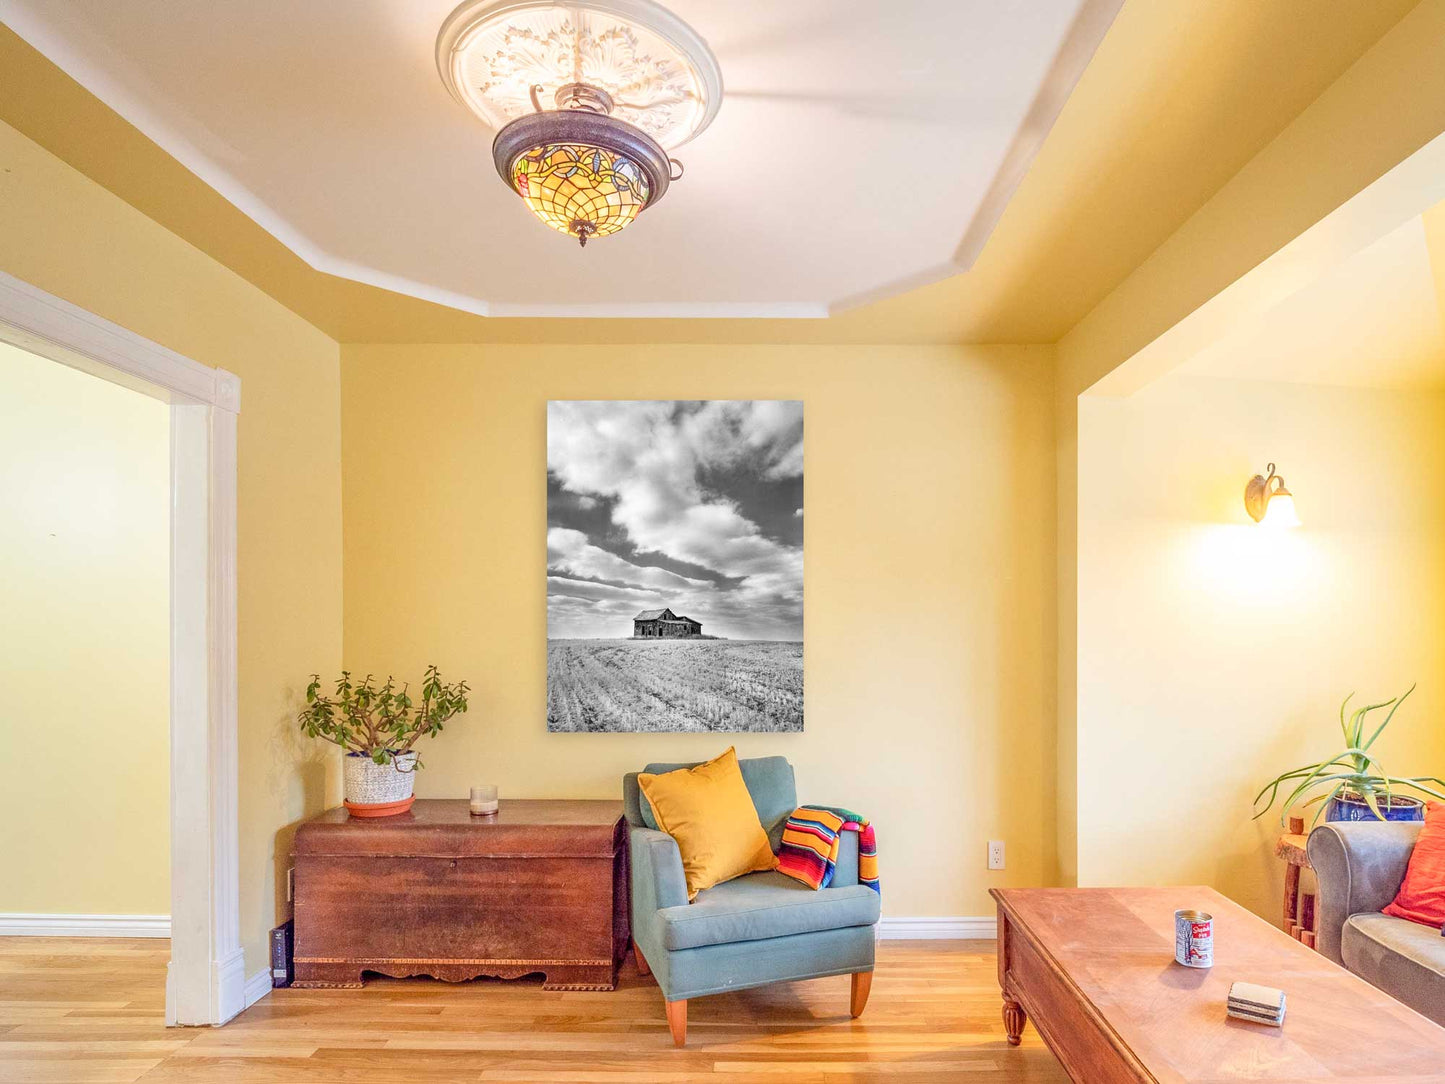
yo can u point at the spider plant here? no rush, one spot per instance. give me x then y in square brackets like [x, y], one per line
[1354, 773]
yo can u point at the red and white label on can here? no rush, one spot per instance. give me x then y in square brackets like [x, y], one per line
[1194, 938]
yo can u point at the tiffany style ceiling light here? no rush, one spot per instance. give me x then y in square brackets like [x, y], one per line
[587, 99]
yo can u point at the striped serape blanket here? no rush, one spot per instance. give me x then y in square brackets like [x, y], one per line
[810, 845]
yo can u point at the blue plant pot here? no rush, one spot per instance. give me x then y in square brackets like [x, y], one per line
[1401, 808]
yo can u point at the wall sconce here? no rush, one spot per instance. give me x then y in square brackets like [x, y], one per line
[1274, 507]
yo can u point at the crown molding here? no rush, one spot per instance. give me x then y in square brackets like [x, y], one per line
[1077, 49]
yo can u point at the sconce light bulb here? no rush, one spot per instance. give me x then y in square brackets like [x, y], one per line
[1280, 511]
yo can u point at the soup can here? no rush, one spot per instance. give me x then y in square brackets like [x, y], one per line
[1194, 938]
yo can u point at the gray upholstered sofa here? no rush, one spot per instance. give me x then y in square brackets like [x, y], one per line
[757, 929]
[1359, 866]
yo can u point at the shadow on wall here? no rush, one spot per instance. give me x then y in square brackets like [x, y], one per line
[1027, 653]
[305, 775]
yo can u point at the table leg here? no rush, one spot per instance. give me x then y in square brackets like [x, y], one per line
[1307, 918]
[1013, 1020]
[1291, 898]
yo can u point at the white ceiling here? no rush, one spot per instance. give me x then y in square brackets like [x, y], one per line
[862, 148]
[1373, 320]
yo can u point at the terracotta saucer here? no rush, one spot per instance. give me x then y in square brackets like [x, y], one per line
[380, 809]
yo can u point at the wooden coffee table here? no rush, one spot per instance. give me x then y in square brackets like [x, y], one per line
[1094, 969]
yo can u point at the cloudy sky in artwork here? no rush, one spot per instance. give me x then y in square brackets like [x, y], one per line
[696, 506]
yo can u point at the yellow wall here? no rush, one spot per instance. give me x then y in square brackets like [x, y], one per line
[929, 566]
[65, 234]
[1382, 109]
[935, 468]
[1214, 653]
[84, 642]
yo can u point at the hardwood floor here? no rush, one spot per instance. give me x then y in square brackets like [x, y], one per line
[91, 1012]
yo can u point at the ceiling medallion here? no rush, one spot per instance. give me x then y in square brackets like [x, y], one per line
[587, 98]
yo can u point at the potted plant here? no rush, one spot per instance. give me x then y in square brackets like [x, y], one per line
[1353, 785]
[377, 725]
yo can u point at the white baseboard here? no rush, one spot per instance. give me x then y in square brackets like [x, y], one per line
[940, 928]
[229, 977]
[258, 986]
[29, 925]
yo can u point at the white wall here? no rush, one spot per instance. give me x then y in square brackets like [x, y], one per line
[84, 652]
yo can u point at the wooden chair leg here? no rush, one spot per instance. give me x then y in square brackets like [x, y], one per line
[862, 984]
[677, 1021]
[642, 968]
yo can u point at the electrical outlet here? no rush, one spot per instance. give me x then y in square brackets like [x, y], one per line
[290, 884]
[995, 854]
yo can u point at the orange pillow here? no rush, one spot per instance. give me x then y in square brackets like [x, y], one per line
[1422, 893]
[710, 813]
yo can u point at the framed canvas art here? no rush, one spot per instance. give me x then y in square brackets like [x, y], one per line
[675, 565]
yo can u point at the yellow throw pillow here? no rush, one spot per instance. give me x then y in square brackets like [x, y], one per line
[709, 812]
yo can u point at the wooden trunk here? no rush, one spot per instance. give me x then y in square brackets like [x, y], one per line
[539, 887]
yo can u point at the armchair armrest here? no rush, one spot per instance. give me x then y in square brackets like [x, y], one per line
[657, 877]
[657, 881]
[1359, 866]
[845, 870]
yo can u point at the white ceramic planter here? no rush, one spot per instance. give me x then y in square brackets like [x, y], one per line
[374, 789]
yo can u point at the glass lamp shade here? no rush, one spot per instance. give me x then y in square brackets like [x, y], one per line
[580, 190]
[1280, 511]
[581, 173]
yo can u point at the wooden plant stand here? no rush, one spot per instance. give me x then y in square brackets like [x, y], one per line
[1299, 907]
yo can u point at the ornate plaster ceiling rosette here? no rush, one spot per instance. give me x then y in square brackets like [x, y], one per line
[661, 76]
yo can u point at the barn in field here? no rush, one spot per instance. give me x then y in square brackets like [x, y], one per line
[653, 624]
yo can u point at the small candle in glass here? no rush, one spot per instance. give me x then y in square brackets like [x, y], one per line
[484, 801]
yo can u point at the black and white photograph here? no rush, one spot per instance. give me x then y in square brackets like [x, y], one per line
[675, 565]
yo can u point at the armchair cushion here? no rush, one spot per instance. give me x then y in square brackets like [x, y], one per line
[763, 905]
[769, 781]
[709, 812]
[1402, 958]
[1422, 894]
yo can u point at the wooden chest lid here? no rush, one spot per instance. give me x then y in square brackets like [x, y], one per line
[445, 828]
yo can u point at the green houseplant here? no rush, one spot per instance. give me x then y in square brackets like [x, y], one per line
[378, 725]
[1352, 785]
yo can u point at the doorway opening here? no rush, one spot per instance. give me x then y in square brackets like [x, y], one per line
[205, 981]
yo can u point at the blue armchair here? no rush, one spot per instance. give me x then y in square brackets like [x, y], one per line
[751, 931]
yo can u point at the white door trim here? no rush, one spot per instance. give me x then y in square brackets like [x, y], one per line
[206, 979]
